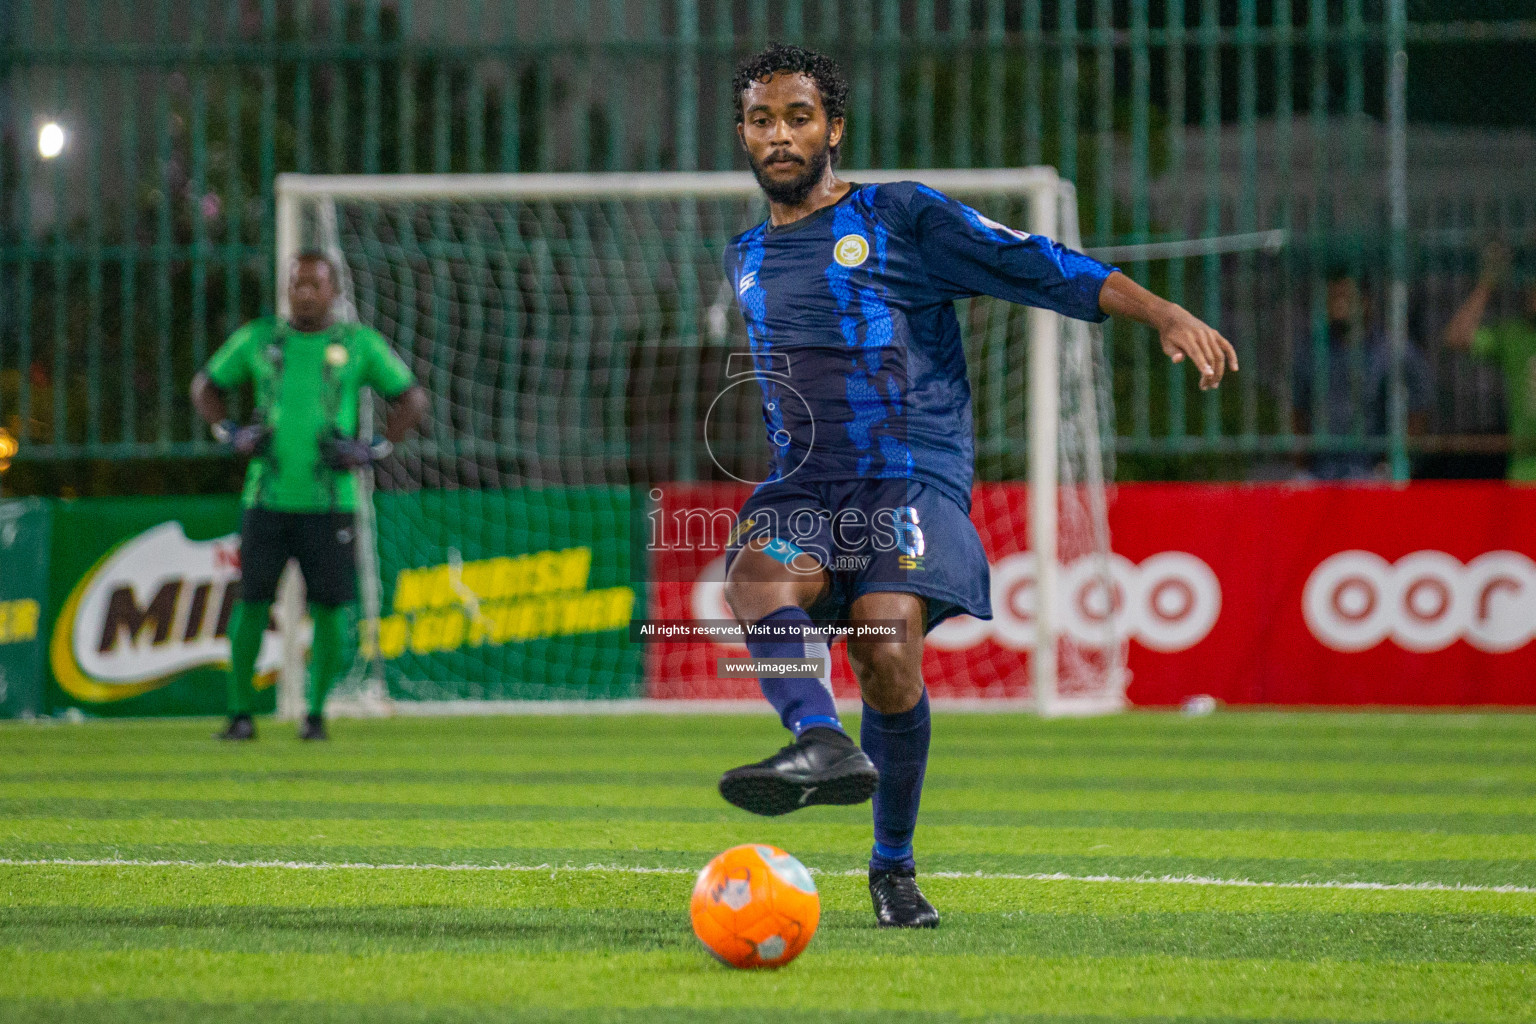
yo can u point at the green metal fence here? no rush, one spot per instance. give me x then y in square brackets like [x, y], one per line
[127, 257]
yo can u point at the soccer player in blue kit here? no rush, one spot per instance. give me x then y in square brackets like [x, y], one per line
[847, 291]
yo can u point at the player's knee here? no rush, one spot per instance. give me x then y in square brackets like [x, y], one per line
[750, 599]
[736, 596]
[879, 661]
[753, 590]
[890, 676]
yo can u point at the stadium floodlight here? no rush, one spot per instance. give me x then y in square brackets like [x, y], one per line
[50, 140]
[540, 308]
[9, 447]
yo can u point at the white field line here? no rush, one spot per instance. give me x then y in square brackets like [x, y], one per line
[626, 869]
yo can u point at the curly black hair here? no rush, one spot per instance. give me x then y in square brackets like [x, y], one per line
[319, 256]
[781, 58]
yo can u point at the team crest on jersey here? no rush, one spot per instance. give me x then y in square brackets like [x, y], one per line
[336, 355]
[851, 250]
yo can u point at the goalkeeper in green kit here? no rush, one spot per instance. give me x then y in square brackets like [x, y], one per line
[307, 373]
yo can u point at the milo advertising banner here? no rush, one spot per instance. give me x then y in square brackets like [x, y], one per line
[509, 595]
[141, 594]
[122, 608]
[23, 596]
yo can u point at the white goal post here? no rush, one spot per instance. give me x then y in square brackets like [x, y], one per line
[1064, 378]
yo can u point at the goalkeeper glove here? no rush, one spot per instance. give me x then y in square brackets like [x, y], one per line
[250, 439]
[346, 453]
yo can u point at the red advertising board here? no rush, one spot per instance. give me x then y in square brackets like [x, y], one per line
[1333, 595]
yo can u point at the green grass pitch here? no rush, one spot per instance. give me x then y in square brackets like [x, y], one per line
[491, 869]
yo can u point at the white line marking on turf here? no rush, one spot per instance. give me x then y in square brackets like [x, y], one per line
[299, 865]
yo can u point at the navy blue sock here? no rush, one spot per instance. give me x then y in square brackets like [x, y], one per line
[803, 702]
[898, 745]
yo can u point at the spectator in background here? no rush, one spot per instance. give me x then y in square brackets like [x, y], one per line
[1358, 365]
[1510, 342]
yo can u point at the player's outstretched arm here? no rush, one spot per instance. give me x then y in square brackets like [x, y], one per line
[1181, 334]
[1462, 328]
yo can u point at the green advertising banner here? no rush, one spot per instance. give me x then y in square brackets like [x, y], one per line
[23, 599]
[509, 595]
[120, 606]
[140, 594]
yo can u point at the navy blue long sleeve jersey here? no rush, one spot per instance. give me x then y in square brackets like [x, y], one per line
[851, 320]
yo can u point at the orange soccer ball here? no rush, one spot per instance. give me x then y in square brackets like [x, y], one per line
[755, 906]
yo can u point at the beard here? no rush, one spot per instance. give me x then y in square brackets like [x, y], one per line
[797, 189]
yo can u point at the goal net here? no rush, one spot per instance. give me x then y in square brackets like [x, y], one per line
[576, 333]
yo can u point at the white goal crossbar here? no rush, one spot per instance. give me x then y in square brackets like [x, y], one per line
[1053, 213]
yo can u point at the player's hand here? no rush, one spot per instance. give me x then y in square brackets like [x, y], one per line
[347, 453]
[249, 440]
[1186, 336]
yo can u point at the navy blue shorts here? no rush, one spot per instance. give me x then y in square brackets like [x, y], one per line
[873, 536]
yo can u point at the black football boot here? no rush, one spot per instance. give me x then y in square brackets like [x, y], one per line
[823, 766]
[899, 903]
[240, 727]
[313, 728]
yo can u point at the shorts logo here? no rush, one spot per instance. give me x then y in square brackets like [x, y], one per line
[344, 536]
[851, 250]
[909, 539]
[740, 531]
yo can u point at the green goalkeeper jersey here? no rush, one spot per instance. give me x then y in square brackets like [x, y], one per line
[307, 389]
[1512, 344]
